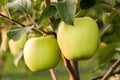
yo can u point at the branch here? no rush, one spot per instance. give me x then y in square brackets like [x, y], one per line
[72, 69]
[110, 71]
[16, 22]
[99, 77]
[75, 67]
[53, 73]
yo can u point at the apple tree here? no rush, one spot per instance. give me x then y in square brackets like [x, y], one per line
[44, 32]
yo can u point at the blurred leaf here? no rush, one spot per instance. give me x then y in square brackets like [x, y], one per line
[16, 34]
[111, 2]
[38, 4]
[66, 10]
[48, 12]
[117, 5]
[105, 55]
[85, 4]
[23, 5]
[105, 28]
[111, 38]
[3, 2]
[17, 57]
[109, 17]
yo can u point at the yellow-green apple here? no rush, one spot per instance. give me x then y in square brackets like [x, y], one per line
[79, 41]
[15, 46]
[41, 53]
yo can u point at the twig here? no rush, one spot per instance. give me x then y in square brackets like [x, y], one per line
[53, 73]
[110, 71]
[99, 77]
[75, 67]
[70, 69]
[14, 21]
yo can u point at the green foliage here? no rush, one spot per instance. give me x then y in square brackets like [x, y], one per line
[16, 34]
[3, 2]
[66, 10]
[34, 12]
[48, 12]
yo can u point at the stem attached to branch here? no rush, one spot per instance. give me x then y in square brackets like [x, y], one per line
[72, 68]
[53, 74]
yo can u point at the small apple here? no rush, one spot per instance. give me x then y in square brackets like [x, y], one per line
[79, 41]
[15, 46]
[41, 53]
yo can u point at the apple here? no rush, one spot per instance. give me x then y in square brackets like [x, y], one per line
[41, 53]
[15, 46]
[80, 41]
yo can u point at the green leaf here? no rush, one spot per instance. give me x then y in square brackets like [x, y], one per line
[66, 9]
[23, 5]
[17, 57]
[16, 34]
[47, 13]
[108, 17]
[3, 2]
[105, 55]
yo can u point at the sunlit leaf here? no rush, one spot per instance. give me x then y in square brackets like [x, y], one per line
[18, 56]
[66, 10]
[16, 34]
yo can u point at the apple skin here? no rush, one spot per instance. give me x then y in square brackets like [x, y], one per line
[15, 46]
[78, 42]
[42, 53]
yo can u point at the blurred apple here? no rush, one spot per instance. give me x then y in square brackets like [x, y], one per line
[16, 46]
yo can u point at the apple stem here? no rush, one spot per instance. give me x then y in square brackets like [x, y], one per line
[72, 68]
[53, 74]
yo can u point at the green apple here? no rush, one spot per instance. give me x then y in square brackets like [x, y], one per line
[79, 41]
[15, 46]
[41, 53]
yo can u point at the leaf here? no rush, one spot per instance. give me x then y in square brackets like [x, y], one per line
[105, 55]
[37, 4]
[16, 34]
[23, 5]
[108, 17]
[66, 10]
[17, 57]
[47, 13]
[3, 2]
[85, 4]
[106, 27]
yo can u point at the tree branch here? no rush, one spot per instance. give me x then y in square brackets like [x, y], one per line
[75, 67]
[14, 21]
[110, 71]
[72, 69]
[99, 77]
